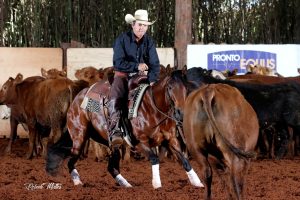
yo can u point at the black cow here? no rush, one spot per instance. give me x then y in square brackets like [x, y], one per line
[273, 103]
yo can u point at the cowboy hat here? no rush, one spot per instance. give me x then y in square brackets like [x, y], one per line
[140, 16]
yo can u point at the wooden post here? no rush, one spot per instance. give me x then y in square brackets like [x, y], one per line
[64, 47]
[1, 22]
[183, 31]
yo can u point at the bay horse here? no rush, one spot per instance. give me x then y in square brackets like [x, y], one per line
[221, 130]
[153, 126]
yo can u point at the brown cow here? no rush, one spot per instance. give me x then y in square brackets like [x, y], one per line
[41, 104]
[214, 124]
[17, 116]
[260, 70]
[254, 78]
[54, 73]
[89, 74]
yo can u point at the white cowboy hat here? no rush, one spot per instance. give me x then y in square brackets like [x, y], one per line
[140, 16]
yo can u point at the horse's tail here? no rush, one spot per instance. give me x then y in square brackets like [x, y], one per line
[208, 100]
[58, 152]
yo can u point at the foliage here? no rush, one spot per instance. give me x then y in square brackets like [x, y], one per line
[96, 23]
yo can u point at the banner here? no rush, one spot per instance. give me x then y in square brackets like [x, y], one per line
[285, 59]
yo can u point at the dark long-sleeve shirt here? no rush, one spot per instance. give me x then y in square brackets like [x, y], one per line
[128, 54]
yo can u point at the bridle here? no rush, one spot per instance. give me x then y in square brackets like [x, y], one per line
[179, 125]
[159, 110]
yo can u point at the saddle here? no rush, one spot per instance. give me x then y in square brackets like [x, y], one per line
[97, 97]
[137, 86]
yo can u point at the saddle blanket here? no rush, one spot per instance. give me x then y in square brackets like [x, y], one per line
[91, 101]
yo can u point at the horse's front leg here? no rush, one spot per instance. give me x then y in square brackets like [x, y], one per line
[193, 177]
[114, 167]
[154, 159]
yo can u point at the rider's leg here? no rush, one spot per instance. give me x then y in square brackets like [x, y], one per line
[115, 134]
[117, 95]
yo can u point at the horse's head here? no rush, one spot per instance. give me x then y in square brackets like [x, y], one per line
[177, 89]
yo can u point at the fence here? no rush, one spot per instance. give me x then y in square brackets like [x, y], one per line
[29, 61]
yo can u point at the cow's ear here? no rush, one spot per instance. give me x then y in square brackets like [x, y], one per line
[64, 72]
[19, 78]
[44, 72]
[184, 69]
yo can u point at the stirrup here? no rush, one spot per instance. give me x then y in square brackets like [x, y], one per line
[116, 138]
[116, 141]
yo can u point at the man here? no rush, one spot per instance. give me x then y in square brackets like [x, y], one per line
[134, 51]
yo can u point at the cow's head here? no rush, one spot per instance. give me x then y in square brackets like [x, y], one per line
[53, 73]
[89, 74]
[7, 90]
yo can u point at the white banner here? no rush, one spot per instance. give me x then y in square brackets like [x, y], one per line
[285, 59]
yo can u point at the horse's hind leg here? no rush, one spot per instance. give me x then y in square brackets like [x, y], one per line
[114, 167]
[75, 156]
[73, 171]
[79, 139]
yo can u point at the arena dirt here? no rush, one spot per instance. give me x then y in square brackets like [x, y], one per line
[27, 179]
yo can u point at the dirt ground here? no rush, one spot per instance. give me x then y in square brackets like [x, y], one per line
[27, 179]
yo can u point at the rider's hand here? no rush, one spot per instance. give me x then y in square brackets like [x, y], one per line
[152, 83]
[142, 67]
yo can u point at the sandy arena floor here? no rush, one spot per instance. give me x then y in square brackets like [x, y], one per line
[267, 179]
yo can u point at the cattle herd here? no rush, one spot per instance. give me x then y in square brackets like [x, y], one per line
[267, 105]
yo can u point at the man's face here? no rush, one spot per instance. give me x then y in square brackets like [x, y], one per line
[139, 29]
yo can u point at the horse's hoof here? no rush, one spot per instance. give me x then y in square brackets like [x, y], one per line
[156, 185]
[8, 151]
[199, 185]
[77, 182]
[122, 181]
[28, 156]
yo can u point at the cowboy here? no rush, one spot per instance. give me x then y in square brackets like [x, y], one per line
[133, 51]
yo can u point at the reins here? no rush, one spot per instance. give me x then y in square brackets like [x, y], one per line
[178, 123]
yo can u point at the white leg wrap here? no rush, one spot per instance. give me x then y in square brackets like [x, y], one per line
[75, 177]
[155, 176]
[122, 181]
[194, 179]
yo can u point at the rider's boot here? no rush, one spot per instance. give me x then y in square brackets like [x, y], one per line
[115, 133]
